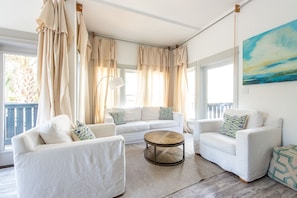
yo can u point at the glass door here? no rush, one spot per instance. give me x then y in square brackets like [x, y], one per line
[20, 98]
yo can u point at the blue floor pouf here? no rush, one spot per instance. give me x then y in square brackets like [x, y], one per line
[283, 166]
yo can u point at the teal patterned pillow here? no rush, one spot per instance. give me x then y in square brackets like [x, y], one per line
[232, 124]
[166, 113]
[118, 117]
[83, 132]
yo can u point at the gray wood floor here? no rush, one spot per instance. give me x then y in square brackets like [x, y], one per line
[223, 185]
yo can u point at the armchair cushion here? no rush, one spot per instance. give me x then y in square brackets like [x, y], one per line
[220, 142]
[231, 124]
[56, 130]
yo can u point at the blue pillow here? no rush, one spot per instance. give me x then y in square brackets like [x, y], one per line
[232, 124]
[166, 113]
[83, 132]
[118, 117]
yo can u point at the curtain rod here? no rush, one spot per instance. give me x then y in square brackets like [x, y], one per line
[215, 22]
[128, 41]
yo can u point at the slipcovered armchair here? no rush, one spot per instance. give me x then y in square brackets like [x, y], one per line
[87, 168]
[248, 151]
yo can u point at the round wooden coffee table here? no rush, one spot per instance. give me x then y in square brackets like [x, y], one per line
[162, 148]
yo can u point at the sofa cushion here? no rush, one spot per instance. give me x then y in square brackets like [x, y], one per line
[158, 124]
[166, 113]
[132, 127]
[255, 118]
[221, 142]
[150, 113]
[56, 130]
[132, 114]
[118, 117]
[231, 124]
[82, 132]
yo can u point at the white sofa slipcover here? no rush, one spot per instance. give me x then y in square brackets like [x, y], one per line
[140, 120]
[248, 155]
[89, 168]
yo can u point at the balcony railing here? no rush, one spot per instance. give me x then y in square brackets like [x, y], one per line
[216, 110]
[19, 117]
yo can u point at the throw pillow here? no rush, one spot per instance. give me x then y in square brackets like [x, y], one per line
[232, 124]
[51, 133]
[166, 113]
[118, 117]
[82, 132]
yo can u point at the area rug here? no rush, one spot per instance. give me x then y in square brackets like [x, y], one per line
[144, 179]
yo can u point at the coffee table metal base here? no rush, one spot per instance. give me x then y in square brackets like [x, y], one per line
[164, 156]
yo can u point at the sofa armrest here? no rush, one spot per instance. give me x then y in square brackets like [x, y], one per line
[207, 125]
[108, 119]
[254, 149]
[178, 116]
[103, 130]
[53, 169]
[203, 126]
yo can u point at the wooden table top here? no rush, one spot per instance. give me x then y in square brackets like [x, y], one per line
[165, 138]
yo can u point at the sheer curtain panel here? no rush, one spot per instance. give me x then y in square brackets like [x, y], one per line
[180, 90]
[84, 48]
[153, 76]
[53, 68]
[104, 68]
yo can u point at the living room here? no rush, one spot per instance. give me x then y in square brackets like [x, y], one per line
[256, 17]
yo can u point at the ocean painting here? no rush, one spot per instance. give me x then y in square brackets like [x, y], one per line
[271, 56]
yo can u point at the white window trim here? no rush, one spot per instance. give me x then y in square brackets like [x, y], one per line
[217, 60]
[6, 156]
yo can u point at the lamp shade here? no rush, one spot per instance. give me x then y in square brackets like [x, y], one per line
[116, 83]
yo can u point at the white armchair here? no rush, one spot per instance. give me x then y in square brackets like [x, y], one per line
[88, 168]
[249, 153]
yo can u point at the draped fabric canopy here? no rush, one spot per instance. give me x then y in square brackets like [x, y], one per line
[180, 90]
[153, 76]
[53, 68]
[104, 68]
[84, 47]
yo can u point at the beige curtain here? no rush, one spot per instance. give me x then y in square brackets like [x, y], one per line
[104, 68]
[84, 48]
[180, 89]
[53, 69]
[153, 76]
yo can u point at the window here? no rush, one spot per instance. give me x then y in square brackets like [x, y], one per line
[18, 91]
[130, 87]
[20, 94]
[219, 84]
[218, 89]
[128, 93]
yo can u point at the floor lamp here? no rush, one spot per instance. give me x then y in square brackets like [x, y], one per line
[114, 82]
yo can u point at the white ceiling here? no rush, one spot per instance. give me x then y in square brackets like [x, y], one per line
[153, 22]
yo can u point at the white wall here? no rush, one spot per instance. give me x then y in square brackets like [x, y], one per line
[127, 53]
[277, 99]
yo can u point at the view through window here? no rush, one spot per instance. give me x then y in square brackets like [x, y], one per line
[21, 96]
[219, 90]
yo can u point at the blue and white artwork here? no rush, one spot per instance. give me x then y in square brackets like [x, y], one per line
[271, 56]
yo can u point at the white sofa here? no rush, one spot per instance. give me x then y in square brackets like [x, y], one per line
[88, 168]
[249, 153]
[140, 120]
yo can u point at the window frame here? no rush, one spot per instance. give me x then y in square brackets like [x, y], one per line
[6, 155]
[215, 61]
